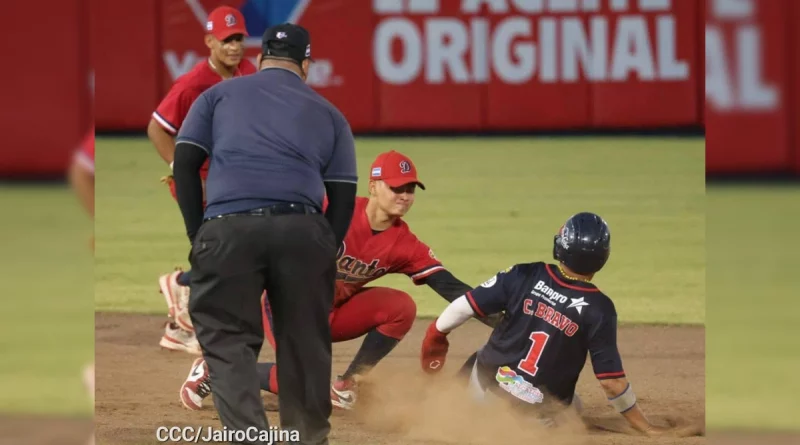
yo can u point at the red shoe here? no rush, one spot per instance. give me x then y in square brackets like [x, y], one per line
[196, 387]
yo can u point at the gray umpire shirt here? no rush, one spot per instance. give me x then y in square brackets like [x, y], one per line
[270, 138]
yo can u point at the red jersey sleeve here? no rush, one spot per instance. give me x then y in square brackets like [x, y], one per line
[84, 156]
[418, 260]
[173, 109]
[247, 67]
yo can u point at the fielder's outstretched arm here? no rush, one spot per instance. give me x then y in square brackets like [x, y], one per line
[451, 289]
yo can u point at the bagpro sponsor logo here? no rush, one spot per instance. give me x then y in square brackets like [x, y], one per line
[548, 294]
[519, 41]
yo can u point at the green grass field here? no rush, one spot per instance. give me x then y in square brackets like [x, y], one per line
[753, 346]
[46, 317]
[490, 203]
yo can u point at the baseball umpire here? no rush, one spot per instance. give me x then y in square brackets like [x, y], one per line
[276, 148]
[554, 317]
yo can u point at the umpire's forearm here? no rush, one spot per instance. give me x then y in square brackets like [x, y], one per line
[341, 202]
[189, 185]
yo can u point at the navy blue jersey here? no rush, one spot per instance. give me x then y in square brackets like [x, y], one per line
[271, 138]
[551, 323]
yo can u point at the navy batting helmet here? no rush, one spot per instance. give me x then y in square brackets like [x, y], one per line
[583, 243]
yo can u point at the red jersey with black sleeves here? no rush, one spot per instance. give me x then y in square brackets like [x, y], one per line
[550, 326]
[367, 255]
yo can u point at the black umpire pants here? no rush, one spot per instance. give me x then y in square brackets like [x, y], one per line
[291, 256]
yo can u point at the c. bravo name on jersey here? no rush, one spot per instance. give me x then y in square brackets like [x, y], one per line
[552, 316]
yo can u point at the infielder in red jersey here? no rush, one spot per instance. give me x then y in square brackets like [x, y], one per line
[378, 243]
[81, 179]
[81, 172]
[225, 37]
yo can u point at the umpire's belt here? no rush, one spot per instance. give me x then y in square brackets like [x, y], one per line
[286, 208]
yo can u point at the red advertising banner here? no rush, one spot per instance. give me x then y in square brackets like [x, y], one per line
[341, 44]
[48, 111]
[540, 67]
[125, 46]
[700, 54]
[430, 62]
[455, 65]
[746, 95]
[651, 74]
[339, 28]
[794, 90]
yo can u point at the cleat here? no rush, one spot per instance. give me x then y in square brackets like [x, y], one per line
[177, 339]
[168, 286]
[196, 387]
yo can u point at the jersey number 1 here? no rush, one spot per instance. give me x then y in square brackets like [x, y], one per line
[529, 364]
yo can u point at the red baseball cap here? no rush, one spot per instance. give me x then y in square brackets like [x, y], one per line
[224, 22]
[395, 169]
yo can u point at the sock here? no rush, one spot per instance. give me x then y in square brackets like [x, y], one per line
[185, 278]
[375, 347]
[268, 377]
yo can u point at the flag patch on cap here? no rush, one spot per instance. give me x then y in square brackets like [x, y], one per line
[376, 171]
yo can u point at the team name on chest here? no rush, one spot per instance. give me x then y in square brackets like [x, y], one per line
[352, 269]
[550, 315]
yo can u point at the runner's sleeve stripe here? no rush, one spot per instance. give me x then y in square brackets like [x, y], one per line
[611, 375]
[474, 305]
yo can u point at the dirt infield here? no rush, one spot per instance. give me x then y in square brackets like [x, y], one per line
[138, 383]
[44, 430]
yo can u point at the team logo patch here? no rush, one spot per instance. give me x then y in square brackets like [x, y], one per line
[230, 20]
[563, 236]
[281, 35]
[376, 172]
[405, 167]
[518, 386]
[308, 50]
[209, 25]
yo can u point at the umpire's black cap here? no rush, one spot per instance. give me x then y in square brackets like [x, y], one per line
[297, 42]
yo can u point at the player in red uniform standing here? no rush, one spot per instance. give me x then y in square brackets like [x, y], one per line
[225, 41]
[378, 242]
[81, 179]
